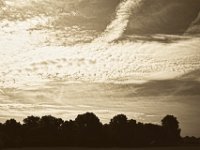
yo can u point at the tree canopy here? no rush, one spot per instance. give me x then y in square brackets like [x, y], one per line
[87, 130]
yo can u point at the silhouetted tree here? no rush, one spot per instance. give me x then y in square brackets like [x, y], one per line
[1, 136]
[171, 129]
[12, 128]
[187, 141]
[12, 124]
[153, 134]
[68, 133]
[119, 120]
[89, 129]
[31, 131]
[49, 129]
[31, 121]
[119, 130]
[131, 133]
[50, 122]
[88, 120]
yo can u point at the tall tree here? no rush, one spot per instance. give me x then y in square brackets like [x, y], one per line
[171, 128]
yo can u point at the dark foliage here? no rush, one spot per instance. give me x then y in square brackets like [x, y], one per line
[87, 131]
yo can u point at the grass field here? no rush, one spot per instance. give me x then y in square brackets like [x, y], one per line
[157, 148]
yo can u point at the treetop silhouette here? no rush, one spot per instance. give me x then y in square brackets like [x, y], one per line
[88, 131]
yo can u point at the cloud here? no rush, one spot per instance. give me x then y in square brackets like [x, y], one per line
[117, 26]
[163, 17]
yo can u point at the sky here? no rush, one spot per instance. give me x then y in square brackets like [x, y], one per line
[138, 57]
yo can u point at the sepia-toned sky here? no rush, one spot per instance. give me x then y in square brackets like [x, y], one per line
[138, 57]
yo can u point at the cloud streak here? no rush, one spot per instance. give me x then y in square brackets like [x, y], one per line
[117, 27]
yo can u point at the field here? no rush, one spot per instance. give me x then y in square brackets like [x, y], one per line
[158, 148]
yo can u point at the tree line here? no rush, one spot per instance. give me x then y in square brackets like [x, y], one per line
[87, 131]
